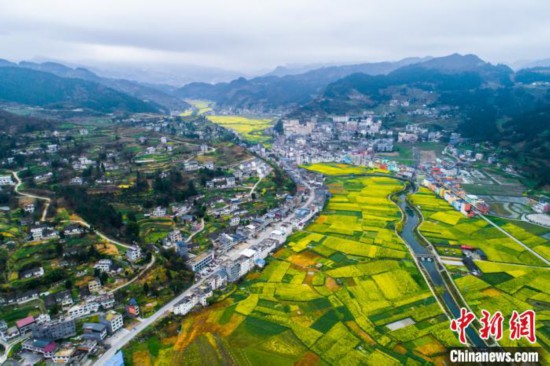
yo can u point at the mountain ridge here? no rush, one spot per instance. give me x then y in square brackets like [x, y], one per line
[166, 101]
[38, 88]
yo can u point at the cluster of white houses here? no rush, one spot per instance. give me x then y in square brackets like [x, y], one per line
[231, 269]
[45, 333]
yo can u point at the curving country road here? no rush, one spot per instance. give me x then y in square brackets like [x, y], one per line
[46, 199]
[196, 232]
[141, 273]
[9, 345]
[99, 233]
[88, 226]
[255, 185]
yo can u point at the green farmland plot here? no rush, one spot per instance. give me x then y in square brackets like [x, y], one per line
[512, 277]
[445, 227]
[509, 287]
[251, 129]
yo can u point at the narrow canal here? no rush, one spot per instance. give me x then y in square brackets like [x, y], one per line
[412, 220]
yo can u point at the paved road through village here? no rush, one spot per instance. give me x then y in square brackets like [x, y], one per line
[235, 253]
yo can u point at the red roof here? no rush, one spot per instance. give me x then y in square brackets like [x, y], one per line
[24, 322]
[50, 347]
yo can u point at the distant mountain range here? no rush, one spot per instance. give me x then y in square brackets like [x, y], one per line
[273, 92]
[495, 102]
[37, 88]
[447, 75]
[155, 98]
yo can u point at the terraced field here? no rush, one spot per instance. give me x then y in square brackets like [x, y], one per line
[344, 291]
[153, 229]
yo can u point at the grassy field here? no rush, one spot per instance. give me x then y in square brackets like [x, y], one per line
[325, 298]
[404, 151]
[251, 129]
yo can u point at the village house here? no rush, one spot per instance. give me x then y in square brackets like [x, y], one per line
[3, 325]
[94, 286]
[76, 181]
[64, 354]
[55, 329]
[73, 230]
[104, 265]
[43, 233]
[112, 320]
[42, 318]
[106, 301]
[182, 248]
[133, 254]
[29, 208]
[132, 308]
[62, 298]
[44, 347]
[5, 180]
[185, 305]
[191, 166]
[32, 272]
[201, 261]
[20, 297]
[10, 333]
[94, 331]
[172, 239]
[159, 212]
[25, 325]
[203, 294]
[235, 220]
[84, 309]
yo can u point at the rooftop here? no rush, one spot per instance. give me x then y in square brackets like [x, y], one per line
[96, 327]
[248, 252]
[200, 257]
[24, 322]
[66, 351]
[111, 314]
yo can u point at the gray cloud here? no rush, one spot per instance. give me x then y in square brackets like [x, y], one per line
[252, 35]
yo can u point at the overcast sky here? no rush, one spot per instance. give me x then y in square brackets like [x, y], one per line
[260, 34]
